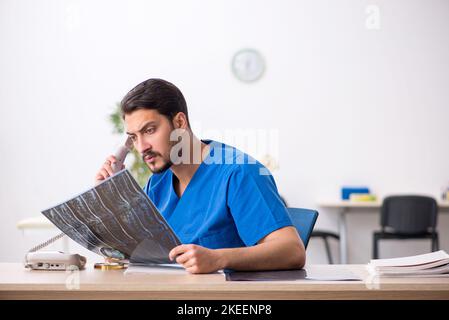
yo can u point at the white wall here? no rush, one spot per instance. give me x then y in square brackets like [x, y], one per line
[352, 105]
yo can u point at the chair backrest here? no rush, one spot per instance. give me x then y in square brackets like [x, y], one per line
[304, 221]
[409, 214]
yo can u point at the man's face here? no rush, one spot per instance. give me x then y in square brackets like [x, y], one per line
[150, 132]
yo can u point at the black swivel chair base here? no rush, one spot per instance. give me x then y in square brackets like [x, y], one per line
[325, 235]
[385, 235]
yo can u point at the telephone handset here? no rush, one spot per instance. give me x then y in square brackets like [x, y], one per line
[56, 260]
[121, 155]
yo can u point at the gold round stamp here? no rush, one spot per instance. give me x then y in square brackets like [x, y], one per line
[109, 266]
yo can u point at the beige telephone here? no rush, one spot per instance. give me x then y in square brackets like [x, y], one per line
[53, 260]
[57, 260]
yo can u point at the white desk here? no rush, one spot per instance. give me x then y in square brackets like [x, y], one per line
[16, 282]
[344, 206]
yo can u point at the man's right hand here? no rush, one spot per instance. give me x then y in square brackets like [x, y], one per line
[106, 170]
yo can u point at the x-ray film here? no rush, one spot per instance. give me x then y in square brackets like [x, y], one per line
[116, 219]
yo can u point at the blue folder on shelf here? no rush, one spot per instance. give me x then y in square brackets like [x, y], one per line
[347, 191]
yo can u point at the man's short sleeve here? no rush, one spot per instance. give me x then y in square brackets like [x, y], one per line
[255, 204]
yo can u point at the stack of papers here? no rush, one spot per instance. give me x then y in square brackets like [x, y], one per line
[152, 269]
[434, 264]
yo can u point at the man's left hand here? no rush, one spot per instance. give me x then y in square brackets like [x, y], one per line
[197, 259]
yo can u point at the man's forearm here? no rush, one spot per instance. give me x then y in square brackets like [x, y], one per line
[269, 255]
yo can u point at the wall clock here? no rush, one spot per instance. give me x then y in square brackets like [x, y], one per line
[248, 65]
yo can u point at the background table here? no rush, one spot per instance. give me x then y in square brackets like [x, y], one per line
[344, 206]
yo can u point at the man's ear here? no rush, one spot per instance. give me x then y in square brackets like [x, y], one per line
[180, 121]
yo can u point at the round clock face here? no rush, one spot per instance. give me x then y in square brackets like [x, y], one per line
[248, 65]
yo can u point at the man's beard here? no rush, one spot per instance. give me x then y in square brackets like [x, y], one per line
[167, 163]
[164, 168]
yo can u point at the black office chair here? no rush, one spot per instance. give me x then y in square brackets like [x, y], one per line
[325, 235]
[407, 217]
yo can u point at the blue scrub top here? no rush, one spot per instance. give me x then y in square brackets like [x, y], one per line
[231, 201]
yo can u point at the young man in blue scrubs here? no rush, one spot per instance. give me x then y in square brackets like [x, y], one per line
[221, 203]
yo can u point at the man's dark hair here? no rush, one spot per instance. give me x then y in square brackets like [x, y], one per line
[155, 94]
